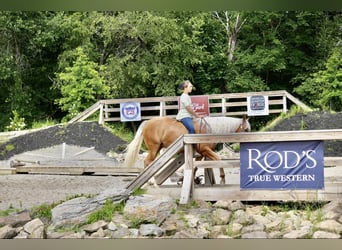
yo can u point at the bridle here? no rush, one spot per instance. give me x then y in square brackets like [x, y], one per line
[242, 128]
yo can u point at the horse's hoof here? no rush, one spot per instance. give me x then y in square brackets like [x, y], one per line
[180, 181]
[223, 181]
[198, 180]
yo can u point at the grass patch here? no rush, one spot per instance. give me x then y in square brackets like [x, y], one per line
[43, 123]
[120, 130]
[8, 211]
[138, 191]
[306, 206]
[42, 212]
[106, 212]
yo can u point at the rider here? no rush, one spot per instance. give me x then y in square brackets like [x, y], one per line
[186, 112]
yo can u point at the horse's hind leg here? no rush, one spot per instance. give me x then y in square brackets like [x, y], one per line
[153, 150]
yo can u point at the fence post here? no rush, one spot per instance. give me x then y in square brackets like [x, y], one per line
[284, 104]
[106, 111]
[162, 111]
[101, 114]
[223, 106]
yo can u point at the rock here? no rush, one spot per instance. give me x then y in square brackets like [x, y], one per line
[7, 232]
[111, 226]
[325, 235]
[120, 233]
[332, 210]
[91, 228]
[241, 217]
[329, 226]
[150, 230]
[235, 229]
[274, 225]
[253, 227]
[229, 204]
[297, 234]
[217, 230]
[149, 209]
[76, 211]
[221, 216]
[17, 219]
[98, 234]
[35, 228]
[255, 235]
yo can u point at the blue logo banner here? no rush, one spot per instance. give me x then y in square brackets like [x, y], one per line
[130, 111]
[282, 165]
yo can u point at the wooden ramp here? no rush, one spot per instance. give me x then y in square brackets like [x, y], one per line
[162, 167]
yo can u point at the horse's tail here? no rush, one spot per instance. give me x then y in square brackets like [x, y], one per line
[132, 150]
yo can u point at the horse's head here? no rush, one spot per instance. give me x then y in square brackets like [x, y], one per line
[245, 126]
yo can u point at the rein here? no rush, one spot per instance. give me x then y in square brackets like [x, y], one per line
[206, 124]
[240, 128]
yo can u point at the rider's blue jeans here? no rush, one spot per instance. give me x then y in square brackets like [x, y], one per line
[187, 122]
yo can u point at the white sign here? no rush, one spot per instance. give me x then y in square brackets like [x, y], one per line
[130, 111]
[257, 105]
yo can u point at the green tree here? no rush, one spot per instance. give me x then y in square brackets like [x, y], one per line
[153, 51]
[28, 59]
[324, 88]
[81, 85]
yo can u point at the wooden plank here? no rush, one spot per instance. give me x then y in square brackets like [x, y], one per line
[273, 136]
[156, 165]
[6, 171]
[328, 161]
[88, 112]
[188, 177]
[217, 164]
[332, 191]
[332, 161]
[232, 192]
[209, 177]
[72, 170]
[297, 102]
[169, 169]
[186, 191]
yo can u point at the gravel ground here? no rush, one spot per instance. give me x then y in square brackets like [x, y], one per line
[28, 190]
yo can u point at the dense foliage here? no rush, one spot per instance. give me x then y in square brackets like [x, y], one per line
[56, 64]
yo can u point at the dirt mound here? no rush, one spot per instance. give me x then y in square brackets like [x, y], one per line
[315, 121]
[84, 134]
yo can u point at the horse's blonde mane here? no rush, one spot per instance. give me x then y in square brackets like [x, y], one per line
[223, 125]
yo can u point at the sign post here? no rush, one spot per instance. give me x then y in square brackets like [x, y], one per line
[257, 105]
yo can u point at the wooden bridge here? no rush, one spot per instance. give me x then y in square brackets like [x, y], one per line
[170, 161]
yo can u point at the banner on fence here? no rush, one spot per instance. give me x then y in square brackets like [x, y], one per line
[257, 105]
[282, 165]
[130, 111]
[200, 104]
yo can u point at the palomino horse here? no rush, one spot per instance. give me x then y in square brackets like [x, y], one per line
[161, 132]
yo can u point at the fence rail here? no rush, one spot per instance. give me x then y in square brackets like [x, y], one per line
[231, 104]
